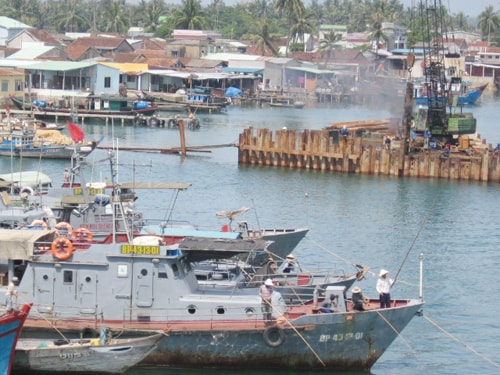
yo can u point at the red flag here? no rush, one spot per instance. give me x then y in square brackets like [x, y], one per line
[77, 134]
[7, 108]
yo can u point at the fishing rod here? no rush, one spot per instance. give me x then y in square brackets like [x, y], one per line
[414, 240]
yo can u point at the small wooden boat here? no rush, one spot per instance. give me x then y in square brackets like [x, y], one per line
[85, 356]
[95, 105]
[28, 142]
[286, 102]
[467, 94]
[196, 100]
[10, 329]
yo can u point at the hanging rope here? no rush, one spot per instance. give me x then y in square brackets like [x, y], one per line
[397, 332]
[462, 343]
[300, 336]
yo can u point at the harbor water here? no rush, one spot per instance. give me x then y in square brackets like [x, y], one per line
[380, 222]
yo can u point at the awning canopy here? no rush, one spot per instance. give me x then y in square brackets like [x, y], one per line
[242, 70]
[20, 244]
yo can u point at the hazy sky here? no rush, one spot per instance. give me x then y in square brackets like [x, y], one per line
[471, 8]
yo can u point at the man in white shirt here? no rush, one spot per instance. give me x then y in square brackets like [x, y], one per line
[384, 289]
[11, 292]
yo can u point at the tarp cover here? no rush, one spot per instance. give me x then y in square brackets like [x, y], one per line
[231, 214]
[233, 92]
[202, 248]
[19, 244]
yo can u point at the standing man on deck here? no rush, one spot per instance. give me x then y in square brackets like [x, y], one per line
[384, 289]
[266, 294]
[11, 292]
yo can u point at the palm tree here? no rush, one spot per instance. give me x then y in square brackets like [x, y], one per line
[488, 21]
[460, 22]
[290, 8]
[114, 17]
[377, 32]
[263, 37]
[153, 11]
[189, 16]
[301, 25]
[326, 44]
[71, 17]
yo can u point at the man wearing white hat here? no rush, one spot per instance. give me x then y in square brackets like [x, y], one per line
[358, 300]
[11, 292]
[289, 264]
[266, 294]
[384, 289]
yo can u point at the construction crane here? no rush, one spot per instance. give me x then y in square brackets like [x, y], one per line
[441, 122]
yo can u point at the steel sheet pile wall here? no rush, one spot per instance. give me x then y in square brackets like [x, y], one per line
[319, 150]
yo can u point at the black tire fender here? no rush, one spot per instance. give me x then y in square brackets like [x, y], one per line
[153, 122]
[172, 123]
[89, 333]
[273, 336]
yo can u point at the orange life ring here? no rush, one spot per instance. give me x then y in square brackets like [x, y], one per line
[82, 235]
[62, 248]
[66, 226]
[39, 223]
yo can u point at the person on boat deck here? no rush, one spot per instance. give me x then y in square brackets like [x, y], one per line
[11, 292]
[329, 305]
[358, 300]
[66, 175]
[290, 264]
[266, 294]
[384, 289]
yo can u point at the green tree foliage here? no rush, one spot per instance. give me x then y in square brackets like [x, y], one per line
[189, 16]
[287, 17]
[326, 45]
[489, 22]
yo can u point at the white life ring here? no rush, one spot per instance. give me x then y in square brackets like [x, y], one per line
[27, 190]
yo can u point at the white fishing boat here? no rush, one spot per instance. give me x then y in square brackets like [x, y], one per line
[83, 356]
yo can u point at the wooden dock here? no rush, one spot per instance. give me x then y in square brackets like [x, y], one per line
[364, 152]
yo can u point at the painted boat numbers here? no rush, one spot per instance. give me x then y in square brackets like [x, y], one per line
[342, 337]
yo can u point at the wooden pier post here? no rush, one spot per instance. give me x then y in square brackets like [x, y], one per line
[182, 136]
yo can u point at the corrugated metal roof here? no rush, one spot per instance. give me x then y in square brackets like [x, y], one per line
[9, 23]
[230, 56]
[241, 70]
[311, 70]
[6, 63]
[127, 67]
[61, 66]
[31, 52]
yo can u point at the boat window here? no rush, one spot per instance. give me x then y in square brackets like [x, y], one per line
[68, 276]
[88, 279]
[191, 309]
[162, 273]
[144, 272]
[250, 312]
[220, 310]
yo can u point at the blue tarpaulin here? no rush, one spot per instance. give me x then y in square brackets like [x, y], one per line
[233, 92]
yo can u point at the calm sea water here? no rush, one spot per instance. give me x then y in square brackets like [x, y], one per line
[379, 222]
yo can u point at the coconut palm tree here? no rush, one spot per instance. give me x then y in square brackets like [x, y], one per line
[114, 17]
[326, 44]
[292, 8]
[488, 21]
[377, 33]
[302, 23]
[71, 17]
[154, 10]
[189, 16]
[263, 37]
